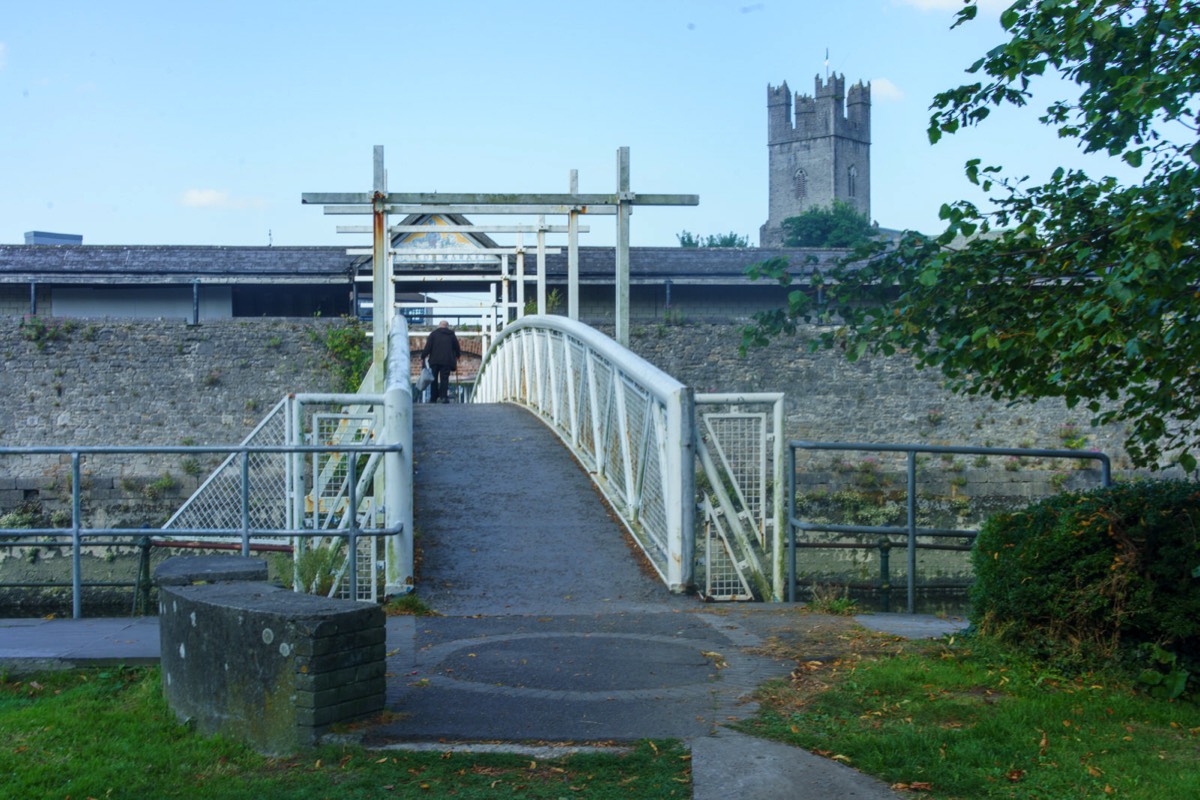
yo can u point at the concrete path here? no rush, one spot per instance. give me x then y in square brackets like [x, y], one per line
[551, 628]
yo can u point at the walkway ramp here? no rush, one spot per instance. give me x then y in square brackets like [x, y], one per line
[507, 522]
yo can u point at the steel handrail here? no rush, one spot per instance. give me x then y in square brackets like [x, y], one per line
[553, 366]
[911, 529]
[78, 532]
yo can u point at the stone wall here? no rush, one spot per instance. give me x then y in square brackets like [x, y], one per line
[167, 383]
[872, 400]
[145, 383]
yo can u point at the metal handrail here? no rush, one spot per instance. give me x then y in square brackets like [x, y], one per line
[910, 529]
[78, 532]
[628, 422]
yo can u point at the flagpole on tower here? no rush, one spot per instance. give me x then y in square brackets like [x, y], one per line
[826, 63]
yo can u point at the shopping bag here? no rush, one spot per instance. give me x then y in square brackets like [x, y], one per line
[425, 379]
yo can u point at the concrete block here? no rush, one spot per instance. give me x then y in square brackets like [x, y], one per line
[231, 661]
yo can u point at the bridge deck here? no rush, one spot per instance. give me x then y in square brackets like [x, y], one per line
[508, 523]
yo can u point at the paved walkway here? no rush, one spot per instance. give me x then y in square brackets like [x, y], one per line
[549, 630]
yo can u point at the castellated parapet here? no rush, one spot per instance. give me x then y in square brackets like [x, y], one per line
[830, 111]
[819, 155]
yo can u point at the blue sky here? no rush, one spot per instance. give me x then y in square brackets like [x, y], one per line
[203, 122]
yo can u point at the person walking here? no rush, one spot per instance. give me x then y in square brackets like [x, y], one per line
[442, 353]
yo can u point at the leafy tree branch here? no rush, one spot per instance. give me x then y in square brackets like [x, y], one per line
[1082, 288]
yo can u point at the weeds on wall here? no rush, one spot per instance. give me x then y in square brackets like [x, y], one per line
[41, 332]
[349, 353]
[162, 486]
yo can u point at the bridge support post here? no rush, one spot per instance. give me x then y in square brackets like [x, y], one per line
[681, 502]
[398, 466]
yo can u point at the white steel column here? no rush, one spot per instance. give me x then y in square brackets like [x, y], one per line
[573, 253]
[380, 270]
[621, 323]
[541, 265]
[680, 491]
[398, 467]
[520, 275]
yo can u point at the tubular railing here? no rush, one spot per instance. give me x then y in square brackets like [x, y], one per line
[628, 423]
[257, 496]
[251, 528]
[910, 530]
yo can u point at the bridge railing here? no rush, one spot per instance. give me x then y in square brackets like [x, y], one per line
[628, 422]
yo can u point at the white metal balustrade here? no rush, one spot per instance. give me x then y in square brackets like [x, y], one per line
[329, 489]
[739, 444]
[628, 423]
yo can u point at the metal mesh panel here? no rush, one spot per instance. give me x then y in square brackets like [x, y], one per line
[543, 371]
[722, 578]
[636, 403]
[602, 378]
[332, 470]
[367, 564]
[740, 443]
[614, 464]
[560, 378]
[217, 504]
[579, 378]
[743, 450]
[653, 511]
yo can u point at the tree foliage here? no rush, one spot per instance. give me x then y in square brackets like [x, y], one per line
[1082, 288]
[731, 239]
[837, 226]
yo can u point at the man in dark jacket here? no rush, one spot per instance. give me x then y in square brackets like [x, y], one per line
[442, 353]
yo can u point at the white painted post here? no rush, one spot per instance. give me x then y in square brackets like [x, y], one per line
[381, 273]
[777, 509]
[621, 322]
[541, 264]
[520, 275]
[573, 252]
[679, 486]
[398, 469]
[505, 309]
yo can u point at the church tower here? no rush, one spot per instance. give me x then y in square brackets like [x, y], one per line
[822, 156]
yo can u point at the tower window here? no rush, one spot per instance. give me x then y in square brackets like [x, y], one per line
[801, 184]
[852, 186]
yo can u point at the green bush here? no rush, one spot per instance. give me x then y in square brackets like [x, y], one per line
[1091, 578]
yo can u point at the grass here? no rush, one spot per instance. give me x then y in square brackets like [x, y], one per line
[108, 733]
[966, 720]
[827, 598]
[407, 605]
